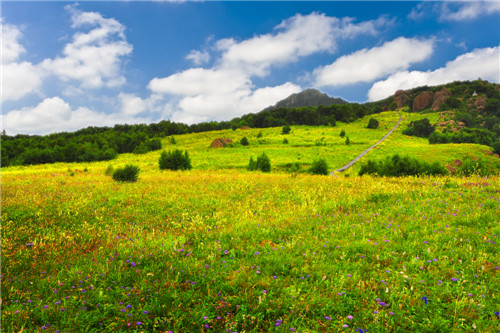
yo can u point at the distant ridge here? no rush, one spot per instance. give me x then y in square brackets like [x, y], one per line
[308, 97]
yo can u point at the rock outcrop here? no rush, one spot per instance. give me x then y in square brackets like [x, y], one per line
[439, 98]
[422, 101]
[401, 98]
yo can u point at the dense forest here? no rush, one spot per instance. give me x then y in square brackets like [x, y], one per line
[471, 113]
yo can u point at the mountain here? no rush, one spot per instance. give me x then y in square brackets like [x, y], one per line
[308, 97]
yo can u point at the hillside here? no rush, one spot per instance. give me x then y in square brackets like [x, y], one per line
[308, 97]
[459, 112]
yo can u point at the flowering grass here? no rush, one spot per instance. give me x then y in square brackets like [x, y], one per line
[235, 251]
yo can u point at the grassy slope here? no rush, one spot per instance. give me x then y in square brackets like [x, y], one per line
[302, 147]
[207, 243]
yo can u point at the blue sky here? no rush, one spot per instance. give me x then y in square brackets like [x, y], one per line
[69, 65]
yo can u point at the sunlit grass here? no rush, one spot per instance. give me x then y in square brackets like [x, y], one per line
[247, 252]
[222, 249]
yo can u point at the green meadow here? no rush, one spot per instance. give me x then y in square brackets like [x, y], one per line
[222, 249]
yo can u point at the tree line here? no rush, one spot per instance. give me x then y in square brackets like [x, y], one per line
[105, 143]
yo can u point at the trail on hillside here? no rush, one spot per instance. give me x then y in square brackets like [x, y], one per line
[348, 165]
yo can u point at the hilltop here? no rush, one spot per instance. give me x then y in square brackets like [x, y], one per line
[308, 97]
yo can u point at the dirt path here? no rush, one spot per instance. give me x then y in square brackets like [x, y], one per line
[348, 165]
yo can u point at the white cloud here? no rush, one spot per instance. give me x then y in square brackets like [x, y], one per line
[93, 58]
[198, 57]
[55, 115]
[18, 78]
[196, 81]
[226, 90]
[367, 65]
[482, 63]
[468, 10]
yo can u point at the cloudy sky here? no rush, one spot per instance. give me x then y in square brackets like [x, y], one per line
[69, 65]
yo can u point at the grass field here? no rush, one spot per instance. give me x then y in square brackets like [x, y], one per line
[221, 249]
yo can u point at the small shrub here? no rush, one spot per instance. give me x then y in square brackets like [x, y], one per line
[319, 167]
[285, 141]
[175, 160]
[372, 123]
[244, 141]
[128, 173]
[259, 135]
[286, 129]
[342, 133]
[347, 141]
[471, 167]
[294, 167]
[172, 140]
[263, 163]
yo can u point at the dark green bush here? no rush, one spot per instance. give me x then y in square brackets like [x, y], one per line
[128, 173]
[172, 140]
[175, 160]
[285, 141]
[347, 141]
[397, 166]
[319, 167]
[259, 135]
[342, 133]
[372, 123]
[286, 129]
[244, 141]
[421, 128]
[263, 163]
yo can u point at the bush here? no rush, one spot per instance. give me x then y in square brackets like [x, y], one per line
[347, 141]
[319, 167]
[128, 173]
[421, 128]
[342, 133]
[175, 160]
[263, 163]
[396, 166]
[286, 129]
[172, 140]
[259, 135]
[372, 123]
[285, 141]
[244, 141]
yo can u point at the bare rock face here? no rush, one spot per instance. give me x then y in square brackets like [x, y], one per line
[401, 98]
[220, 142]
[439, 98]
[422, 101]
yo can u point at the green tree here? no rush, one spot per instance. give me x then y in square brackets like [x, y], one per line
[286, 129]
[319, 167]
[175, 160]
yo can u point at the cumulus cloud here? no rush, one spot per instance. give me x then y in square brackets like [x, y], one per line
[18, 78]
[56, 115]
[226, 89]
[468, 10]
[482, 63]
[367, 65]
[93, 58]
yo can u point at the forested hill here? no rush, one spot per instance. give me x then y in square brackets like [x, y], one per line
[472, 110]
[308, 97]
